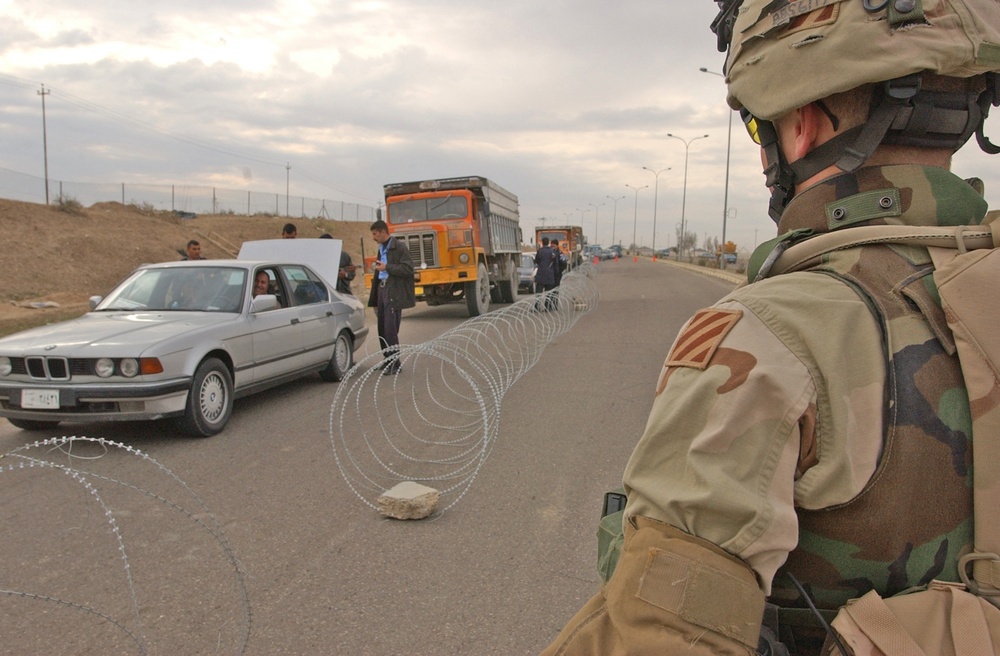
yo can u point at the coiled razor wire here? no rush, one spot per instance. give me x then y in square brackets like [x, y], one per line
[147, 563]
[436, 422]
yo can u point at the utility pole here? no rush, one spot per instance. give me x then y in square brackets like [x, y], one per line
[45, 142]
[288, 168]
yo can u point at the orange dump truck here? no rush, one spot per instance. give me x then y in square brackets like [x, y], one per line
[570, 241]
[464, 237]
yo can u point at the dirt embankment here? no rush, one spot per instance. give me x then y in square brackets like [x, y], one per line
[65, 255]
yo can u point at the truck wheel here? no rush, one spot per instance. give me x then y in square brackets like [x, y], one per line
[343, 358]
[210, 401]
[477, 293]
[508, 287]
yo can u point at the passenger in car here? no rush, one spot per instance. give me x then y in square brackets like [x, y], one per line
[260, 283]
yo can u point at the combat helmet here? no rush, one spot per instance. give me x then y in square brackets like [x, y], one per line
[784, 54]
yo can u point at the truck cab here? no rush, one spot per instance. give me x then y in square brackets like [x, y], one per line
[464, 239]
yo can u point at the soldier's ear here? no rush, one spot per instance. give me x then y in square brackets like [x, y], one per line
[800, 131]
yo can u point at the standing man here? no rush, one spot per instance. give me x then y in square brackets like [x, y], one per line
[545, 263]
[346, 271]
[392, 291]
[289, 231]
[560, 264]
[193, 251]
[810, 437]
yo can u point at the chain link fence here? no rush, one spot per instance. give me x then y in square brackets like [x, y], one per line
[190, 199]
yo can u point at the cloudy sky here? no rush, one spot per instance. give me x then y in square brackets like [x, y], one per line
[563, 103]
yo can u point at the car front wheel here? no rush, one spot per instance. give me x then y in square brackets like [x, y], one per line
[342, 360]
[210, 401]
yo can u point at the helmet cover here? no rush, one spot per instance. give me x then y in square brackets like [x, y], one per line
[784, 54]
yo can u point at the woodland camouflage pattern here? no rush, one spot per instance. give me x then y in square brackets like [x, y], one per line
[836, 398]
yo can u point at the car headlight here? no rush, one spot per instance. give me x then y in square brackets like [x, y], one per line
[129, 367]
[5, 366]
[104, 367]
[464, 258]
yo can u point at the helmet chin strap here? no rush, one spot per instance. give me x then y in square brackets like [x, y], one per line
[780, 177]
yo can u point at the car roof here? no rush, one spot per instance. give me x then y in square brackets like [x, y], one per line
[232, 264]
[241, 264]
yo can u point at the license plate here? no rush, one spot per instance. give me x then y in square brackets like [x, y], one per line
[40, 399]
[419, 291]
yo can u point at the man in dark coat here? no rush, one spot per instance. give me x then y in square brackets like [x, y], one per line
[392, 291]
[547, 263]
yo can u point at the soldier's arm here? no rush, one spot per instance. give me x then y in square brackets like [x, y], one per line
[732, 446]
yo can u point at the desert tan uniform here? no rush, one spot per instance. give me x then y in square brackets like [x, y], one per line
[770, 404]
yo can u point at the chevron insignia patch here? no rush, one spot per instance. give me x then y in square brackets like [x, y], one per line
[701, 337]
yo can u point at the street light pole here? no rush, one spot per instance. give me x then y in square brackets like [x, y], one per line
[687, 143]
[614, 216]
[582, 212]
[635, 215]
[656, 195]
[725, 193]
[596, 208]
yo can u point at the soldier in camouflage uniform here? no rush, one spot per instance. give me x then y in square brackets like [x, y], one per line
[810, 435]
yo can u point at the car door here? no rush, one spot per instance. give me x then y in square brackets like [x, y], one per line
[277, 334]
[312, 300]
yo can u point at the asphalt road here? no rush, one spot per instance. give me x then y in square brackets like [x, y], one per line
[323, 573]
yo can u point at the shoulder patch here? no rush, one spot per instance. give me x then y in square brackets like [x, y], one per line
[703, 334]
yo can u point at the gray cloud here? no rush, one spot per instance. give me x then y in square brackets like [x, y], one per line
[561, 102]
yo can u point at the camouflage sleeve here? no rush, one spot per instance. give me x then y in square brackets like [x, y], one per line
[769, 401]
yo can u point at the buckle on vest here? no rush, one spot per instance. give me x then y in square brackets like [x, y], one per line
[990, 567]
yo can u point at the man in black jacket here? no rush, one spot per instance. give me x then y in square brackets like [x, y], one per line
[392, 291]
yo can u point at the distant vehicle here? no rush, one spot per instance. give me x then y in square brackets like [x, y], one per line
[464, 237]
[616, 250]
[181, 339]
[731, 258]
[570, 241]
[527, 272]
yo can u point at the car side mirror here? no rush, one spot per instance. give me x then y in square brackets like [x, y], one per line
[94, 301]
[263, 303]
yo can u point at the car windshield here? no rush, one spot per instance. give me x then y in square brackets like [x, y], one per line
[428, 209]
[207, 289]
[527, 261]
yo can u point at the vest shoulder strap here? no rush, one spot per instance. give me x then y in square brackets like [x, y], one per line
[960, 238]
